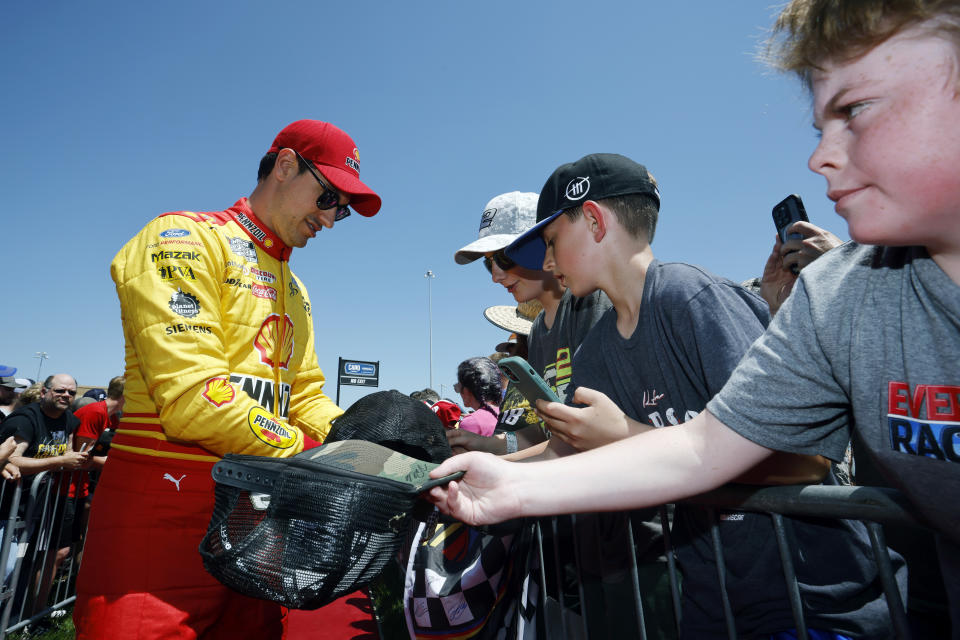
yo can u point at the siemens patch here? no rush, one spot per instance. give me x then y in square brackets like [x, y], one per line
[174, 329]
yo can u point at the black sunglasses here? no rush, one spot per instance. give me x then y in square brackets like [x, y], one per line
[330, 198]
[501, 259]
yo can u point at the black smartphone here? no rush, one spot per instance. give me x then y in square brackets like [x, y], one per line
[785, 213]
[527, 380]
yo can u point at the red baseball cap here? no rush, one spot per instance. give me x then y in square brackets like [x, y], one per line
[448, 412]
[333, 152]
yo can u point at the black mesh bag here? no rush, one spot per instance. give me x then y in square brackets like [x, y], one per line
[304, 531]
[395, 421]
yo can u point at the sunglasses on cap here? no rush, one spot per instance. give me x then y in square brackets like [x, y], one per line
[330, 197]
[501, 259]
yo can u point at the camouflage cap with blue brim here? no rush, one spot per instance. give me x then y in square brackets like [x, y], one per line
[349, 456]
[373, 459]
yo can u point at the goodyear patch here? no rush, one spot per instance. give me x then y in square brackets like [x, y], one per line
[270, 431]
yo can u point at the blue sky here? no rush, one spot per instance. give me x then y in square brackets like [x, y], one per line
[115, 112]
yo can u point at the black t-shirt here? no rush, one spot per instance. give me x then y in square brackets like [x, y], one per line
[47, 437]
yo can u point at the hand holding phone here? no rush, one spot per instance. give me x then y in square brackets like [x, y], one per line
[527, 380]
[785, 213]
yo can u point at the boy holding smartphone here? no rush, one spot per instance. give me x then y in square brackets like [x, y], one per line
[869, 338]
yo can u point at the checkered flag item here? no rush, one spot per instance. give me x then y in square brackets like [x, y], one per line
[462, 583]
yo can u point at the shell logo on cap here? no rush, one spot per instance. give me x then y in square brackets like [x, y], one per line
[219, 392]
[269, 430]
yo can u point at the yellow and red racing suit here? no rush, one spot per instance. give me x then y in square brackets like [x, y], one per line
[219, 358]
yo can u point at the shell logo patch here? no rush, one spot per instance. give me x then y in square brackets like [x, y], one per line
[269, 431]
[219, 392]
[275, 340]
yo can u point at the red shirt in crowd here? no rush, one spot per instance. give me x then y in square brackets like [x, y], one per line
[93, 421]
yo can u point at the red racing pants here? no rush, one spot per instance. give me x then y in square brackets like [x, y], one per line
[142, 576]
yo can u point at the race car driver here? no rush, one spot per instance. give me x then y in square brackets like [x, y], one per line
[219, 358]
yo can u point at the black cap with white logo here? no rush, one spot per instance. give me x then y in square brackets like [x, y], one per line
[593, 177]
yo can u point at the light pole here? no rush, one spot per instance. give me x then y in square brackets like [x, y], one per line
[429, 275]
[43, 356]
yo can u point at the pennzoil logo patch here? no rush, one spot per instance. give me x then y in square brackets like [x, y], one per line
[219, 392]
[270, 431]
[354, 162]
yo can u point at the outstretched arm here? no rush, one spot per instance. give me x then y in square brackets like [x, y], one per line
[601, 422]
[651, 468]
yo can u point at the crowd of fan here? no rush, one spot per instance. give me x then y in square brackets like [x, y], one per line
[44, 426]
[691, 331]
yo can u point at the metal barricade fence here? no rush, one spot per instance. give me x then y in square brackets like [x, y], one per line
[38, 557]
[572, 603]
[32, 522]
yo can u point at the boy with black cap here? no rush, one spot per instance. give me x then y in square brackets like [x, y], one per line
[675, 334]
[595, 222]
[220, 358]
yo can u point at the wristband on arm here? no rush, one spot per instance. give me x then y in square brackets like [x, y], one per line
[511, 439]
